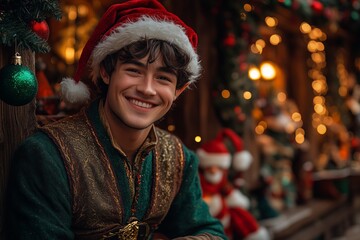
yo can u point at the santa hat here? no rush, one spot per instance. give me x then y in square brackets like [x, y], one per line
[121, 25]
[214, 153]
[241, 158]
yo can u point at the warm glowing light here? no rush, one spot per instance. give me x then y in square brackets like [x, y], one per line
[260, 43]
[259, 129]
[171, 128]
[321, 129]
[254, 73]
[255, 48]
[69, 55]
[300, 131]
[197, 139]
[319, 109]
[315, 33]
[72, 14]
[299, 138]
[319, 100]
[83, 10]
[271, 22]
[225, 93]
[267, 71]
[312, 46]
[247, 95]
[305, 28]
[275, 39]
[320, 46]
[263, 124]
[318, 86]
[247, 7]
[281, 96]
[296, 117]
[343, 91]
[317, 57]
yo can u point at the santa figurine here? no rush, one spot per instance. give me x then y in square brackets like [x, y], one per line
[226, 202]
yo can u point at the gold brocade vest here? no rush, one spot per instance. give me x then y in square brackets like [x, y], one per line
[96, 201]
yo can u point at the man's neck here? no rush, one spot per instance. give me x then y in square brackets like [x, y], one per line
[128, 139]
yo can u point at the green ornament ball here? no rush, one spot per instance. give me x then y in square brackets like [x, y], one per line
[18, 85]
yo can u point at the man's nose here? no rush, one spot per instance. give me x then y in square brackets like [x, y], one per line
[147, 85]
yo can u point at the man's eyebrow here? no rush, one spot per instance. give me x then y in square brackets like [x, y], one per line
[135, 62]
[167, 70]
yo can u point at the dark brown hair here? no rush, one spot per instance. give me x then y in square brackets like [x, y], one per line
[173, 57]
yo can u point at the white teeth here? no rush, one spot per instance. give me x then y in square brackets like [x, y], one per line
[141, 104]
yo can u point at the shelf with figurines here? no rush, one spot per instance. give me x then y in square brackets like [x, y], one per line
[49, 106]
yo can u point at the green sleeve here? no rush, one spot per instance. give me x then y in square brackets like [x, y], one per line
[38, 202]
[189, 214]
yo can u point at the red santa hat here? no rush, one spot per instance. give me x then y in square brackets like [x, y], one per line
[241, 158]
[121, 25]
[214, 153]
[217, 153]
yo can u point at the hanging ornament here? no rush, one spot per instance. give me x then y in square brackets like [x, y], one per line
[18, 84]
[230, 40]
[317, 7]
[40, 28]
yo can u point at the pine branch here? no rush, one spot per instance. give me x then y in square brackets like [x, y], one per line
[15, 17]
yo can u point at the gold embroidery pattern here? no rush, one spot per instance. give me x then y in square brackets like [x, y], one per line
[168, 170]
[90, 176]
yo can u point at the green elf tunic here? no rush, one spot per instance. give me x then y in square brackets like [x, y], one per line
[69, 181]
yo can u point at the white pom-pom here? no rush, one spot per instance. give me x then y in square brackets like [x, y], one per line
[73, 92]
[237, 199]
[242, 160]
[261, 234]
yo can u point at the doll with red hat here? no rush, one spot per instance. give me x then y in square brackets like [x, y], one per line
[108, 172]
[225, 201]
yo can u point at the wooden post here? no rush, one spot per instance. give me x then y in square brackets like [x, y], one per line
[16, 123]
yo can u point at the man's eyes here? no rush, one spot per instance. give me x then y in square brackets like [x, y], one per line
[133, 70]
[165, 78]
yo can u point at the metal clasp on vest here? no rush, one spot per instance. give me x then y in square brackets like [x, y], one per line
[129, 232]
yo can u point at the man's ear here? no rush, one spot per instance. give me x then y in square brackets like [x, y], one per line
[104, 75]
[180, 90]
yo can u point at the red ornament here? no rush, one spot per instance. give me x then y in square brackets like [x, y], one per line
[40, 28]
[317, 7]
[230, 40]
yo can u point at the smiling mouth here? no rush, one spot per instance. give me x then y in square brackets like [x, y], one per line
[141, 104]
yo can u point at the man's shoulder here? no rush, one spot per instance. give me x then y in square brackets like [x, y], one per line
[164, 136]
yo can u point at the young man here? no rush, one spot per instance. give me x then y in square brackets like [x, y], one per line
[108, 172]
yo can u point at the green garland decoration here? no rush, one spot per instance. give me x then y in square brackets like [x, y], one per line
[237, 30]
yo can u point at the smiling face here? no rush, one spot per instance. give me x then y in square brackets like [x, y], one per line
[140, 92]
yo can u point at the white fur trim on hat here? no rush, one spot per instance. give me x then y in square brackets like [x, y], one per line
[150, 28]
[237, 199]
[242, 160]
[222, 160]
[73, 92]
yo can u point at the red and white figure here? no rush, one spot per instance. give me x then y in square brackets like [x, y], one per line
[226, 202]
